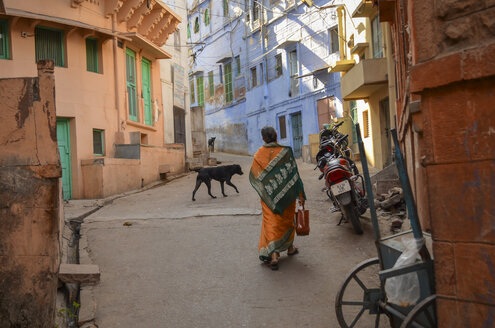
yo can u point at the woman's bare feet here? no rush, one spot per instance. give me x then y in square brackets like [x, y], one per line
[292, 250]
[274, 262]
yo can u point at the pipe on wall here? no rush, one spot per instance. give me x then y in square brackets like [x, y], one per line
[116, 71]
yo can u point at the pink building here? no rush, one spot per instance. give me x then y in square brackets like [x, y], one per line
[110, 120]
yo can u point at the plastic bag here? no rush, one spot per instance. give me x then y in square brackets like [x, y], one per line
[404, 290]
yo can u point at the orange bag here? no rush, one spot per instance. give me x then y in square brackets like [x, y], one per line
[302, 221]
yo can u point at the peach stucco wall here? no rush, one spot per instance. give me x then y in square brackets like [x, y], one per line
[89, 100]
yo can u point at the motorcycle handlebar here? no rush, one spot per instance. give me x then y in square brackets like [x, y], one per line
[336, 126]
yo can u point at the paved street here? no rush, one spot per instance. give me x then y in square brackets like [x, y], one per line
[195, 264]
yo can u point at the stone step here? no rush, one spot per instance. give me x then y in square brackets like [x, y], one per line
[79, 273]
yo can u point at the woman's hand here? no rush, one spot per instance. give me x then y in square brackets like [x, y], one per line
[301, 200]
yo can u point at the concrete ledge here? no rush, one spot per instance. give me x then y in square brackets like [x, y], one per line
[79, 273]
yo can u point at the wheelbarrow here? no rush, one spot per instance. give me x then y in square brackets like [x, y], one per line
[362, 300]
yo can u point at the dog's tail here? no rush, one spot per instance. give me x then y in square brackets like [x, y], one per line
[196, 169]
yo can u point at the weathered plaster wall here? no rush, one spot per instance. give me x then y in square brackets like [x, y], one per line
[446, 123]
[29, 200]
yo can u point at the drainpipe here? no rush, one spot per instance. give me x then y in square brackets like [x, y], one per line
[115, 70]
[265, 62]
[342, 32]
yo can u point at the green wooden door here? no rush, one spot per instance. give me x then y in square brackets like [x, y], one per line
[297, 134]
[63, 142]
[130, 64]
[146, 77]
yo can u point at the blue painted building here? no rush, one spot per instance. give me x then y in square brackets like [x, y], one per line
[259, 63]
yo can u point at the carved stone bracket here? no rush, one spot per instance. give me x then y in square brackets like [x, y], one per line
[138, 16]
[154, 17]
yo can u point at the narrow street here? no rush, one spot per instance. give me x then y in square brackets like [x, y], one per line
[194, 264]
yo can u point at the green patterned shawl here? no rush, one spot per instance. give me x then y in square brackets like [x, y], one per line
[279, 184]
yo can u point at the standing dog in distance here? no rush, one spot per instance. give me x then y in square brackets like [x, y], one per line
[223, 174]
[211, 144]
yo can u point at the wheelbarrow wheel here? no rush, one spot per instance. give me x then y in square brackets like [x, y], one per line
[423, 315]
[356, 303]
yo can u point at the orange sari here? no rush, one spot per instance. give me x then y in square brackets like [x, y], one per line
[277, 230]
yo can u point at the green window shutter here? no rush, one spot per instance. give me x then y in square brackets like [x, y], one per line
[130, 66]
[228, 83]
[211, 84]
[201, 90]
[146, 89]
[188, 31]
[196, 25]
[191, 90]
[207, 17]
[98, 143]
[92, 55]
[4, 39]
[225, 8]
[49, 45]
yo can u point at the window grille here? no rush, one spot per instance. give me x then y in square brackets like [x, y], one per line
[92, 55]
[49, 45]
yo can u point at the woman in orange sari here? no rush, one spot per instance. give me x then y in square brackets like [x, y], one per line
[275, 177]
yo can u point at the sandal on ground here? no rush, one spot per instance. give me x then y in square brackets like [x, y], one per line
[294, 252]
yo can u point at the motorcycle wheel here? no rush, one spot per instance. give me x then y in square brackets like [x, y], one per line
[351, 215]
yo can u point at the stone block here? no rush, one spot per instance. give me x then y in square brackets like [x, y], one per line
[459, 314]
[477, 63]
[449, 9]
[87, 311]
[436, 73]
[462, 129]
[447, 313]
[79, 273]
[425, 30]
[475, 272]
[486, 20]
[444, 268]
[383, 186]
[462, 201]
[212, 161]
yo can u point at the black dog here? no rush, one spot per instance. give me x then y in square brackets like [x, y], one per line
[219, 173]
[211, 144]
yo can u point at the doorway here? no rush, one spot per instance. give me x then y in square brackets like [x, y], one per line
[326, 111]
[63, 143]
[179, 126]
[297, 134]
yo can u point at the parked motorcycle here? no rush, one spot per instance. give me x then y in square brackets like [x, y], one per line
[344, 184]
